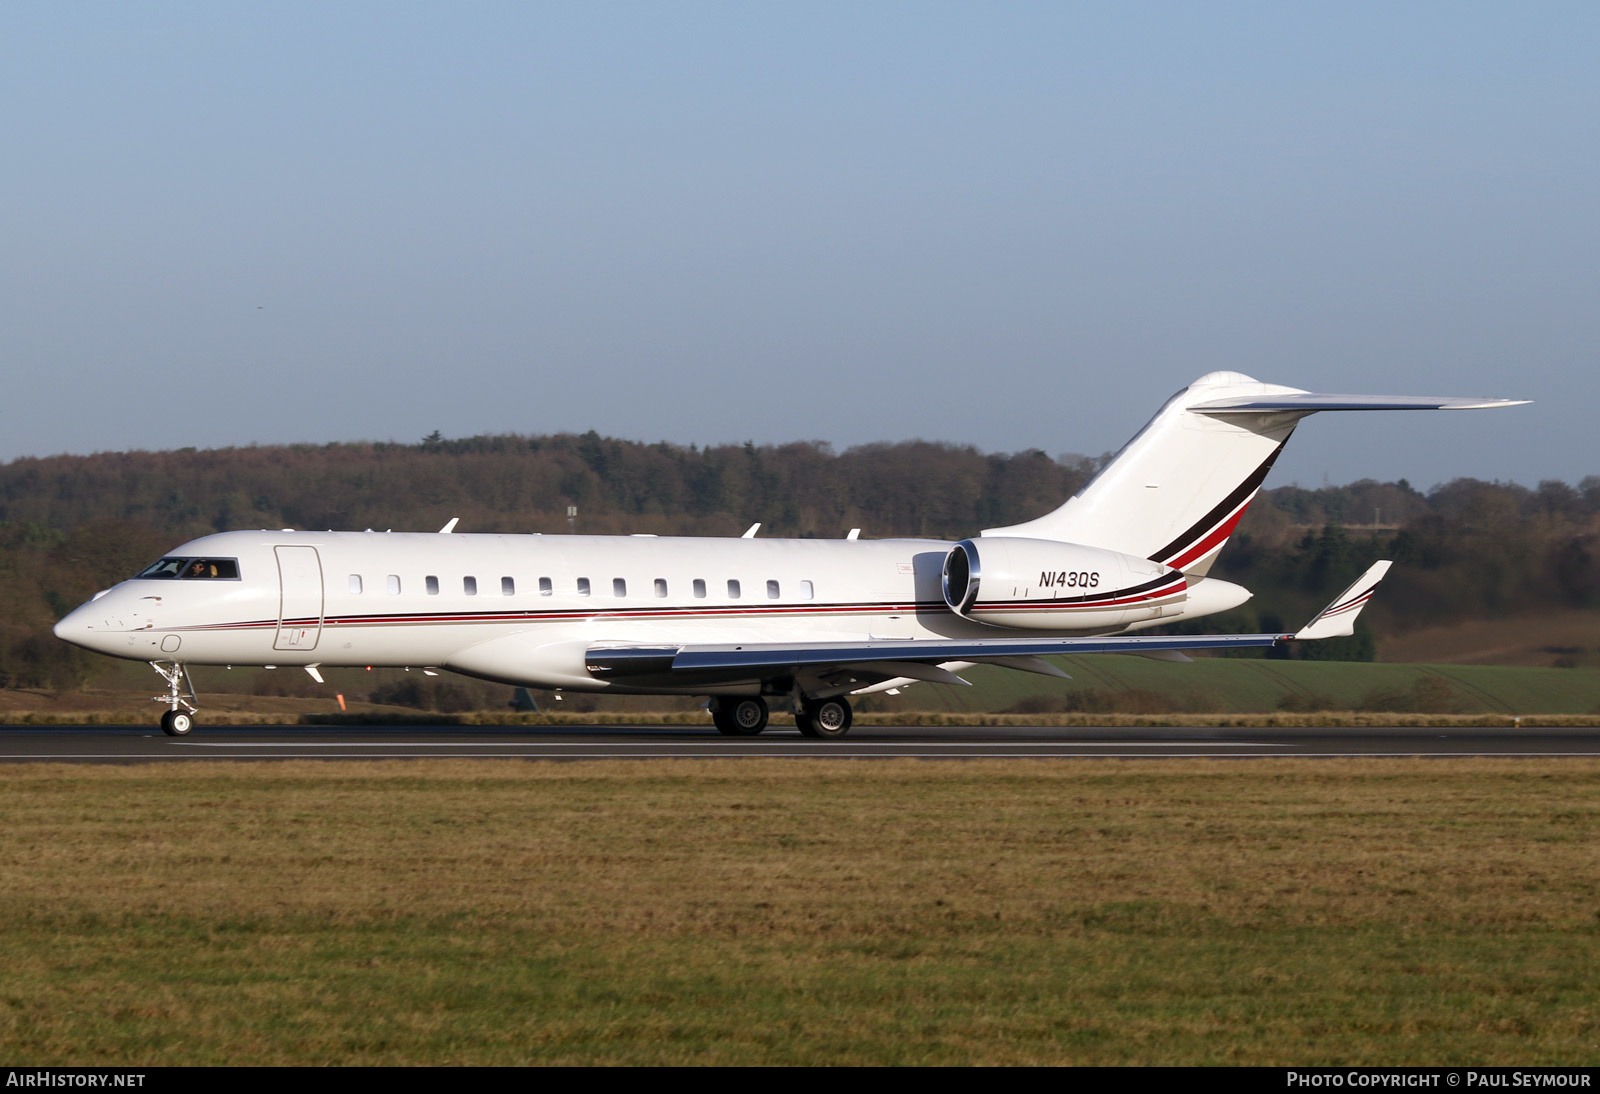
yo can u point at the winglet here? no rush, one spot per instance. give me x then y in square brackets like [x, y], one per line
[1339, 618]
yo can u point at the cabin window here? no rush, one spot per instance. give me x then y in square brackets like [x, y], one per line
[508, 587]
[805, 590]
[469, 585]
[355, 584]
[661, 587]
[733, 589]
[700, 587]
[545, 587]
[583, 586]
[772, 590]
[619, 587]
[394, 584]
[431, 583]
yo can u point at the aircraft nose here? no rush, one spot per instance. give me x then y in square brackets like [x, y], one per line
[71, 627]
[85, 625]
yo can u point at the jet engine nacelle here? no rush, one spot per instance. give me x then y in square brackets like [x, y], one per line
[1041, 584]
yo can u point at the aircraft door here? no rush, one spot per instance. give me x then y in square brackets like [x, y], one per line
[300, 598]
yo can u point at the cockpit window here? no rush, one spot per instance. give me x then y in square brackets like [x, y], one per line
[197, 569]
[167, 567]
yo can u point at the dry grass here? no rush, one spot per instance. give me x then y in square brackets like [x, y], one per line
[688, 911]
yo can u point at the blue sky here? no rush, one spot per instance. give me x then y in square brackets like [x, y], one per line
[1007, 225]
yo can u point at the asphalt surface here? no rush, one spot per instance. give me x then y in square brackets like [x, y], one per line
[146, 744]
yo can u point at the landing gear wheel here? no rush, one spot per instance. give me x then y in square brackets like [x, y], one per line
[740, 717]
[177, 723]
[825, 718]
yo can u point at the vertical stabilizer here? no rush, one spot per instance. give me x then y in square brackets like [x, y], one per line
[1175, 492]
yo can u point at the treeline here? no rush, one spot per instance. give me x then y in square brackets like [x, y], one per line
[526, 484]
[70, 525]
[1465, 550]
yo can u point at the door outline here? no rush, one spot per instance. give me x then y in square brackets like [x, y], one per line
[300, 598]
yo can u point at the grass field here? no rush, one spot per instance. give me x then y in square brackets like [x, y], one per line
[719, 912]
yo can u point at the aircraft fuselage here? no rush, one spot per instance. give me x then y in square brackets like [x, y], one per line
[524, 609]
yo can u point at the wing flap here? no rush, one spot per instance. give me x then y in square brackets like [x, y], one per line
[907, 670]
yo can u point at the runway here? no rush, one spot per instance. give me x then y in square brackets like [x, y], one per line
[145, 744]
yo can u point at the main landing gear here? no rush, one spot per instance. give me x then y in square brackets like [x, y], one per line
[180, 700]
[746, 716]
[824, 718]
[739, 716]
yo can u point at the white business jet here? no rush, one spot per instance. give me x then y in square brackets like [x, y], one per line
[803, 622]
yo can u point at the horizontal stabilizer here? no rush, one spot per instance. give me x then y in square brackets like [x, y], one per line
[1339, 618]
[1308, 403]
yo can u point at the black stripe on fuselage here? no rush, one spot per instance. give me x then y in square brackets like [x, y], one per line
[1157, 582]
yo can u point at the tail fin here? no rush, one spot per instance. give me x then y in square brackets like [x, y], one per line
[1176, 491]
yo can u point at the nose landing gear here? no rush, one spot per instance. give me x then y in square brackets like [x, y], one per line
[180, 699]
[177, 723]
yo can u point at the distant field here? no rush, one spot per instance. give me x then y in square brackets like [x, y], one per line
[1551, 638]
[698, 912]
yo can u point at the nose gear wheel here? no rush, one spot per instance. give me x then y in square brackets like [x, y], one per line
[180, 698]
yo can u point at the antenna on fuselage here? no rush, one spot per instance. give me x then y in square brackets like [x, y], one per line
[450, 527]
[750, 532]
[854, 533]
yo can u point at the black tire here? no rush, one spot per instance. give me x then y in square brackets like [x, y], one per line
[740, 717]
[828, 719]
[177, 723]
[803, 722]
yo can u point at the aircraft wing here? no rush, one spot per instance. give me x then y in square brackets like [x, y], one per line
[776, 658]
[922, 658]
